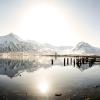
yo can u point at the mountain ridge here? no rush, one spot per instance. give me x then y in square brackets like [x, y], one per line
[13, 43]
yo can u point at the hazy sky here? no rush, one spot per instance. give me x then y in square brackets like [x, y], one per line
[59, 22]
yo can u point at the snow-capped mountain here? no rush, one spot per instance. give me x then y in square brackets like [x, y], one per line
[12, 43]
[10, 37]
[85, 48]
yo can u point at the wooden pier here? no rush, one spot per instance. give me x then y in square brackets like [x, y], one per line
[76, 59]
[89, 57]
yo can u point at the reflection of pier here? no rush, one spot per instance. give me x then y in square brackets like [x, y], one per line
[77, 59]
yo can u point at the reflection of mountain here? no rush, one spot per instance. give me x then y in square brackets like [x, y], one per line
[84, 67]
[13, 68]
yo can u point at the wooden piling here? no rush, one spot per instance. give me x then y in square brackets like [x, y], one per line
[67, 61]
[71, 61]
[64, 62]
[74, 62]
[52, 62]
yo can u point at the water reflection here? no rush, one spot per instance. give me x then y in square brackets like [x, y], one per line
[78, 62]
[13, 68]
[48, 78]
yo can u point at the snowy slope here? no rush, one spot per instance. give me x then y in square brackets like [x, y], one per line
[13, 43]
[9, 38]
[85, 48]
[51, 49]
[57, 48]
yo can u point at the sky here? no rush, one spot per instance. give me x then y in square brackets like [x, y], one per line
[58, 22]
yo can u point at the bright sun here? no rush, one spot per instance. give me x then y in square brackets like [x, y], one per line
[43, 87]
[45, 23]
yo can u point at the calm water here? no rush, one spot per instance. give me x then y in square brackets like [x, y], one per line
[37, 79]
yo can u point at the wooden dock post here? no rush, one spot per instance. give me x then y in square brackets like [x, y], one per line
[67, 61]
[74, 62]
[51, 61]
[64, 62]
[86, 59]
[82, 60]
[71, 61]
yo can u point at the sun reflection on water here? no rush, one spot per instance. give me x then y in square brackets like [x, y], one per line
[43, 87]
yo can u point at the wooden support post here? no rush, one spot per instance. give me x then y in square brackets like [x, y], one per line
[64, 62]
[74, 62]
[71, 61]
[67, 61]
[51, 61]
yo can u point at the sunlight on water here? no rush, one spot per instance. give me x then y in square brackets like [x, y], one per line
[43, 87]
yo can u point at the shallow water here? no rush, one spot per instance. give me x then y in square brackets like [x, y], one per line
[38, 79]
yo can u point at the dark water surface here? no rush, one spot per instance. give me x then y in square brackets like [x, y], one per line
[39, 79]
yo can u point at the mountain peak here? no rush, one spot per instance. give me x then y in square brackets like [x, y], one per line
[81, 44]
[10, 38]
[13, 36]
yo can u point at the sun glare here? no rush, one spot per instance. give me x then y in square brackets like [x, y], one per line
[45, 23]
[43, 87]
